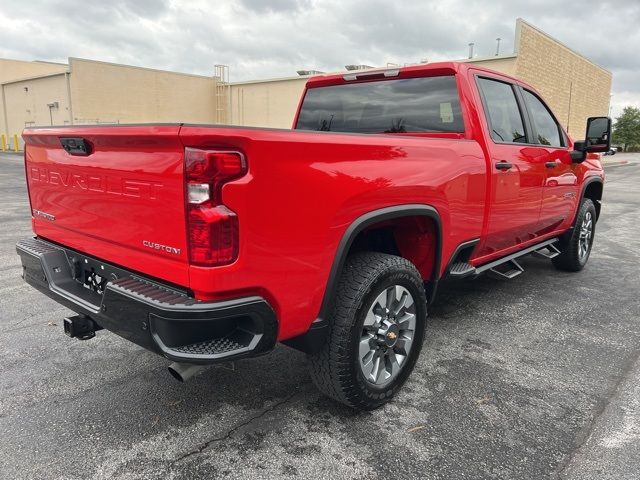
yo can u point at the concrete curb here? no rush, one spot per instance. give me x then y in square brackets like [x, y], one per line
[614, 163]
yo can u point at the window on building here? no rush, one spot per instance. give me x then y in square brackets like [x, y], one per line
[411, 105]
[547, 130]
[505, 119]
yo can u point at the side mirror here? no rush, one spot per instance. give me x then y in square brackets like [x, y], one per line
[598, 134]
[598, 139]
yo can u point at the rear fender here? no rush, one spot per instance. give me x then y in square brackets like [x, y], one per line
[315, 337]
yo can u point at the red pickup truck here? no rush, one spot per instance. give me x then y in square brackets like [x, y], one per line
[207, 244]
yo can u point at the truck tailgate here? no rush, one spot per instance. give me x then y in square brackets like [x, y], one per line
[123, 202]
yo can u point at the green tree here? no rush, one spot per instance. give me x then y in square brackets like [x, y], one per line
[626, 130]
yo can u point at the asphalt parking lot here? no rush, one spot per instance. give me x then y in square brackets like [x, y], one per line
[534, 378]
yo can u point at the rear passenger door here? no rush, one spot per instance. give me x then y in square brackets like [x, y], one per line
[560, 191]
[517, 168]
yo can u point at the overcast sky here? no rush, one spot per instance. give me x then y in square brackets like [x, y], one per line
[264, 39]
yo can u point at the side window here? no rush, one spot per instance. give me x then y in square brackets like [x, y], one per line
[505, 120]
[546, 127]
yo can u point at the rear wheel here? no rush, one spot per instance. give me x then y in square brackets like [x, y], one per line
[376, 331]
[576, 247]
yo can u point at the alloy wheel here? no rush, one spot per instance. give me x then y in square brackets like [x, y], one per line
[585, 237]
[387, 335]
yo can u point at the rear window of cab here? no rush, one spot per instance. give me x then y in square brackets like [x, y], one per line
[411, 105]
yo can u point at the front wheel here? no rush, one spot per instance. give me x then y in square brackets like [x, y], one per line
[376, 331]
[576, 247]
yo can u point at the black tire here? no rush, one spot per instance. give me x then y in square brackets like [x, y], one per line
[336, 369]
[572, 257]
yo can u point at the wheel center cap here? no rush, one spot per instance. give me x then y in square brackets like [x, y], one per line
[390, 335]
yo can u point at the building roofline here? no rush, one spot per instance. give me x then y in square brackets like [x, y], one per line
[488, 59]
[36, 77]
[520, 21]
[113, 64]
[51, 63]
[33, 61]
[268, 80]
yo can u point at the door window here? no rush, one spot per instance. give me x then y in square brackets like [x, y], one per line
[547, 130]
[504, 117]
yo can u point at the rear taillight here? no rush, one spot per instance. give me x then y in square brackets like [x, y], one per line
[212, 227]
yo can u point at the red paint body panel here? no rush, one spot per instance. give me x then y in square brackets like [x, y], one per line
[301, 192]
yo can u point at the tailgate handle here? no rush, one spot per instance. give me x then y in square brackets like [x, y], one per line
[76, 146]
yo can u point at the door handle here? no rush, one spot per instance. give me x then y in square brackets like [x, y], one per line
[503, 165]
[551, 164]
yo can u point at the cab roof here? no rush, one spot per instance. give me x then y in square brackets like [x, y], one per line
[411, 71]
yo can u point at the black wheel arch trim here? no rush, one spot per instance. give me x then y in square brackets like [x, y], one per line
[587, 182]
[312, 340]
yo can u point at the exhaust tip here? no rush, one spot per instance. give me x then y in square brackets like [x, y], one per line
[175, 374]
[184, 371]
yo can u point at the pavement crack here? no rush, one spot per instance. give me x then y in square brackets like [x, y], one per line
[23, 319]
[229, 433]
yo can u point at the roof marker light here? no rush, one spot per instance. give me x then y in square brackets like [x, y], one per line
[393, 72]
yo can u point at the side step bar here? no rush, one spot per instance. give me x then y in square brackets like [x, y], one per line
[462, 270]
[550, 251]
[508, 273]
[511, 268]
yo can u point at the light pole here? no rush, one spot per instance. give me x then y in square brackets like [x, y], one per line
[610, 105]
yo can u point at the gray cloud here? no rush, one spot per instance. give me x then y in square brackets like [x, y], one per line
[269, 39]
[276, 5]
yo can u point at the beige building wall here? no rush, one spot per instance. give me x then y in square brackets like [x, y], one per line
[268, 103]
[105, 92]
[26, 102]
[502, 64]
[11, 70]
[574, 87]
